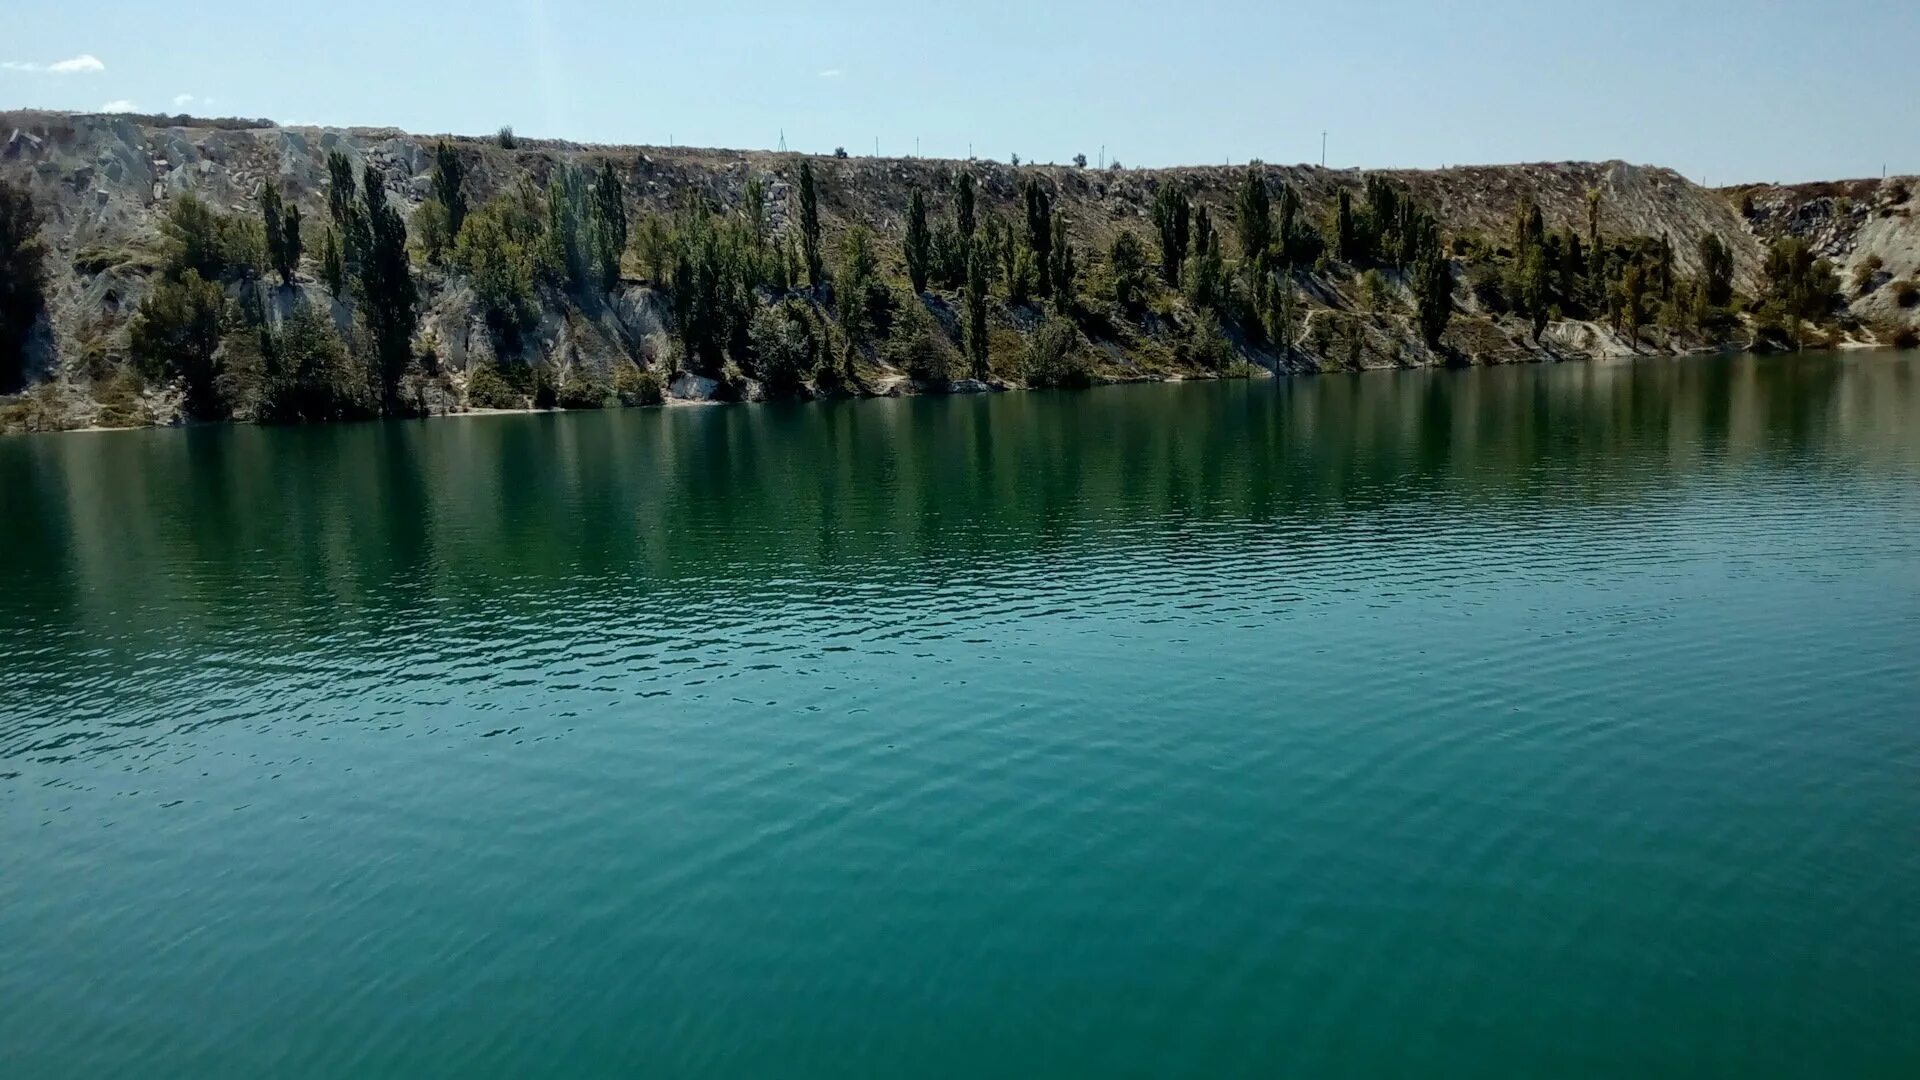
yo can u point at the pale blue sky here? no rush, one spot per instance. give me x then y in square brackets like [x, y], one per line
[1725, 91]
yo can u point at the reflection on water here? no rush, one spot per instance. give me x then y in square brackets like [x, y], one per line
[1561, 717]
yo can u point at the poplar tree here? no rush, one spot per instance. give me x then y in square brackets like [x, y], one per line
[1256, 218]
[1172, 217]
[810, 224]
[1040, 233]
[919, 243]
[978, 259]
[449, 187]
[963, 208]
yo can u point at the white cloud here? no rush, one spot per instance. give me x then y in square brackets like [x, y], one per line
[831, 73]
[181, 101]
[120, 105]
[84, 64]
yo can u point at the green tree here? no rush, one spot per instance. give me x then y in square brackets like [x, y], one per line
[919, 243]
[282, 232]
[785, 349]
[23, 279]
[1800, 286]
[1716, 271]
[310, 374]
[963, 208]
[387, 293]
[1127, 260]
[214, 245]
[1256, 217]
[497, 250]
[854, 281]
[810, 224]
[1062, 267]
[175, 333]
[1040, 232]
[1433, 289]
[1345, 236]
[1205, 272]
[1536, 289]
[450, 187]
[333, 266]
[1172, 213]
[1634, 286]
[609, 226]
[978, 259]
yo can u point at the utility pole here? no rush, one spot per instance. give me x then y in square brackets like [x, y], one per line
[783, 140]
[1103, 155]
[1323, 149]
[876, 146]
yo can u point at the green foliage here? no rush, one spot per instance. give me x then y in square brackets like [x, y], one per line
[1206, 272]
[633, 386]
[581, 390]
[919, 242]
[963, 207]
[976, 316]
[948, 252]
[1433, 289]
[388, 298]
[1062, 267]
[1374, 292]
[449, 188]
[810, 224]
[176, 334]
[333, 265]
[1127, 259]
[1345, 238]
[718, 264]
[1055, 357]
[488, 387]
[216, 246]
[1172, 217]
[505, 139]
[1716, 273]
[785, 348]
[1799, 285]
[23, 279]
[1256, 217]
[499, 251]
[1040, 232]
[1204, 344]
[1866, 274]
[1280, 314]
[607, 228]
[310, 374]
[432, 231]
[918, 346]
[856, 280]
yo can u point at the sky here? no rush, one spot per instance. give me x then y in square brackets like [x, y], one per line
[1725, 92]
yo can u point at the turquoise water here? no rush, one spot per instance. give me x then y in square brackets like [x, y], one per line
[1549, 721]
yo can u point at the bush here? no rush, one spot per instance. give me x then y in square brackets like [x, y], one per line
[1906, 338]
[919, 347]
[784, 347]
[583, 391]
[1906, 293]
[1205, 345]
[1054, 357]
[311, 375]
[176, 333]
[506, 138]
[489, 388]
[635, 386]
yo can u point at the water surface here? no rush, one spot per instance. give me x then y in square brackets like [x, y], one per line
[1552, 721]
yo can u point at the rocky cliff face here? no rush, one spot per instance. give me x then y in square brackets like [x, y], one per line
[104, 184]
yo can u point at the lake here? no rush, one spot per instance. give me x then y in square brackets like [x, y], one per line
[1543, 721]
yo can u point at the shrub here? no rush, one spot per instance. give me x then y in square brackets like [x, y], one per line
[919, 347]
[1205, 345]
[176, 334]
[582, 391]
[1906, 338]
[310, 374]
[506, 138]
[1906, 293]
[634, 386]
[1054, 357]
[488, 388]
[23, 278]
[211, 244]
[1373, 291]
[784, 348]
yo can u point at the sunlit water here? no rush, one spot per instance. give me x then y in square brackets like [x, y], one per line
[1532, 722]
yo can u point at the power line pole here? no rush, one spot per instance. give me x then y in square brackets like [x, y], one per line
[1323, 149]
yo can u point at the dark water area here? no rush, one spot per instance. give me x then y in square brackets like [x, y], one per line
[1552, 721]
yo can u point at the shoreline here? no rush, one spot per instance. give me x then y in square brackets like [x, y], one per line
[904, 388]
